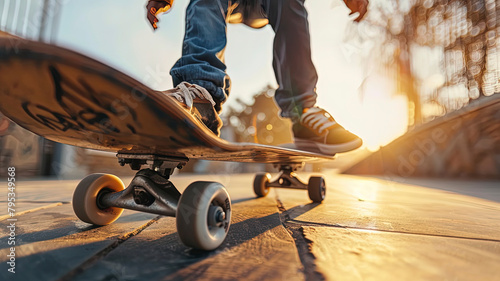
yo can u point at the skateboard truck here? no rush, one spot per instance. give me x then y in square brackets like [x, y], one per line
[287, 178]
[149, 192]
[203, 211]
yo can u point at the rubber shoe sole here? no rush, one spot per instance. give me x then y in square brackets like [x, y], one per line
[328, 149]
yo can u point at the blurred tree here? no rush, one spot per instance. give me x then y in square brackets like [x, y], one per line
[259, 122]
[464, 32]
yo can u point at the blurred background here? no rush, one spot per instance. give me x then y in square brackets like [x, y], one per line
[418, 80]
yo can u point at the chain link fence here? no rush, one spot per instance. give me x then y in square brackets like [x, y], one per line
[31, 19]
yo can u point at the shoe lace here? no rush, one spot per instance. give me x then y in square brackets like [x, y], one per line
[186, 93]
[317, 119]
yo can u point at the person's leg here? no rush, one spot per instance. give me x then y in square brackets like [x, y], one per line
[313, 127]
[202, 61]
[293, 67]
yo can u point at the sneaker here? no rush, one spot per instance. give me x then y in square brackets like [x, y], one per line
[317, 131]
[198, 101]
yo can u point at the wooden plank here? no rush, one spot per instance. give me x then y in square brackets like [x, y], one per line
[55, 244]
[369, 203]
[51, 242]
[36, 195]
[347, 254]
[23, 208]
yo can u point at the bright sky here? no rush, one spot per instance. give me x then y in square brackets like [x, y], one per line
[116, 32]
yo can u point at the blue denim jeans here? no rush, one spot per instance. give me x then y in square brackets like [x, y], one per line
[202, 60]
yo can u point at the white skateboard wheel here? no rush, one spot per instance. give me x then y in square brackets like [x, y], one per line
[204, 215]
[85, 199]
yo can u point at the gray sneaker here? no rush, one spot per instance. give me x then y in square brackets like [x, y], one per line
[317, 131]
[198, 101]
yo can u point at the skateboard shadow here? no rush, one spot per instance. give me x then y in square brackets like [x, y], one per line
[297, 211]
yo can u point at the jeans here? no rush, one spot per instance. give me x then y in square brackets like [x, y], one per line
[202, 60]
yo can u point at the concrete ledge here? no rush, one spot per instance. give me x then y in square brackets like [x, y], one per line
[464, 143]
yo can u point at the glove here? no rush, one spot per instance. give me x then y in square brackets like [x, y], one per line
[357, 6]
[155, 8]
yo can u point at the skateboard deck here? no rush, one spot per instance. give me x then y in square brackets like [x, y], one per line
[72, 99]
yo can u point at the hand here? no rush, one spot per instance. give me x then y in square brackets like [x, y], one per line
[155, 8]
[357, 6]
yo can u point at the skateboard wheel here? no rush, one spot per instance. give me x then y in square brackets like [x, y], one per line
[85, 199]
[260, 184]
[204, 215]
[316, 189]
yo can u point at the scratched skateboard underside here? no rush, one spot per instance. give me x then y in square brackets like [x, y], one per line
[72, 99]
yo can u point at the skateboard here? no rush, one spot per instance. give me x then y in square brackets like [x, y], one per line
[69, 98]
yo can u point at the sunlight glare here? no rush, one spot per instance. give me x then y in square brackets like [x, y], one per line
[382, 116]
